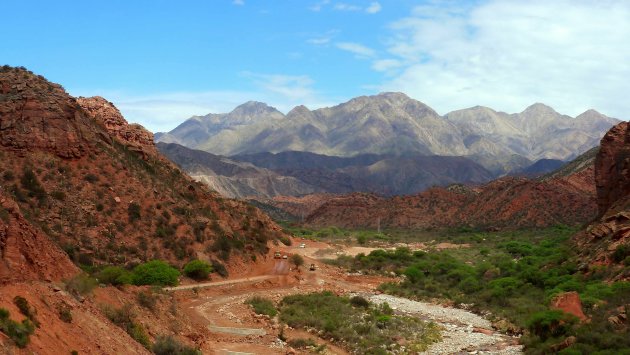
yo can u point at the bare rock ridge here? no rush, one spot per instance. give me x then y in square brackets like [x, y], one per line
[612, 167]
[39, 115]
[508, 202]
[266, 175]
[393, 123]
[607, 240]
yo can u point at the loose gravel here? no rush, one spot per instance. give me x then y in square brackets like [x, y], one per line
[459, 335]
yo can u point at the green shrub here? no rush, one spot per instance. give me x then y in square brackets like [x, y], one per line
[155, 272]
[219, 268]
[551, 323]
[286, 241]
[114, 275]
[18, 332]
[147, 300]
[359, 301]
[167, 345]
[297, 260]
[198, 270]
[621, 252]
[262, 306]
[124, 317]
[22, 304]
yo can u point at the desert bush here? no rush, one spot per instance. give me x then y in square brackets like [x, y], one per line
[198, 270]
[219, 268]
[133, 212]
[81, 284]
[621, 252]
[301, 343]
[18, 332]
[124, 317]
[22, 304]
[155, 272]
[361, 330]
[167, 345]
[297, 260]
[262, 306]
[285, 240]
[114, 275]
[65, 314]
[31, 183]
[147, 299]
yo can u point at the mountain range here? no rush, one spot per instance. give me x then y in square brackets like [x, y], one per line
[393, 123]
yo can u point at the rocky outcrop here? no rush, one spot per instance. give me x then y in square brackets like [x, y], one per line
[134, 136]
[26, 254]
[569, 302]
[612, 167]
[36, 115]
[607, 240]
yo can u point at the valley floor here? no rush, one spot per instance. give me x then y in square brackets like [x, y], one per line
[236, 329]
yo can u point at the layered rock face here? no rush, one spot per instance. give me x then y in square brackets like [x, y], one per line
[607, 240]
[38, 115]
[612, 167]
[134, 136]
[26, 254]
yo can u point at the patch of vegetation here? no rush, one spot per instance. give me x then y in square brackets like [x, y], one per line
[285, 240]
[133, 212]
[167, 345]
[198, 270]
[31, 183]
[114, 275]
[124, 318]
[81, 284]
[65, 314]
[508, 274]
[219, 268]
[155, 272]
[262, 305]
[18, 332]
[371, 330]
[147, 299]
[297, 260]
[22, 304]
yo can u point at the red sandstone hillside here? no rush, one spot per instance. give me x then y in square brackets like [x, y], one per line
[504, 203]
[607, 240]
[77, 183]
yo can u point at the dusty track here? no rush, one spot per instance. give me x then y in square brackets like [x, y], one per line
[233, 328]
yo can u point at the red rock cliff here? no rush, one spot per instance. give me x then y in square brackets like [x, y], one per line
[612, 167]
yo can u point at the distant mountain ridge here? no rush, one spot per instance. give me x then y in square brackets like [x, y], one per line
[393, 123]
[299, 173]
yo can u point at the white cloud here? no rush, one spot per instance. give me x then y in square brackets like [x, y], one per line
[572, 55]
[341, 6]
[386, 64]
[373, 8]
[319, 5]
[356, 48]
[238, 2]
[161, 112]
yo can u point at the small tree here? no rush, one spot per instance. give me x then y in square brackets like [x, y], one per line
[297, 260]
[155, 272]
[198, 270]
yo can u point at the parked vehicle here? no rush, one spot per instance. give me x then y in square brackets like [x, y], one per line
[277, 255]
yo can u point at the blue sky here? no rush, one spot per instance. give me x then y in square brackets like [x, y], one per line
[162, 61]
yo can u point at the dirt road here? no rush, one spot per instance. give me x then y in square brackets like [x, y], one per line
[234, 328]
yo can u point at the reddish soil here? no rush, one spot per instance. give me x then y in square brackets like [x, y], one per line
[504, 203]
